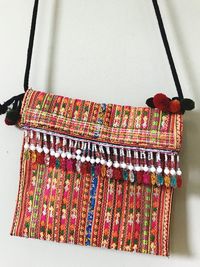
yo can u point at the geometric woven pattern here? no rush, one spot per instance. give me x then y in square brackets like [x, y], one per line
[68, 207]
[98, 175]
[113, 124]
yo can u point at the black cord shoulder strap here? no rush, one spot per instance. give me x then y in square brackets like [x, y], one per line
[163, 34]
[30, 46]
[167, 48]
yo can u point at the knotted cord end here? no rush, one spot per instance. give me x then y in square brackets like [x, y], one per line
[13, 112]
[3, 109]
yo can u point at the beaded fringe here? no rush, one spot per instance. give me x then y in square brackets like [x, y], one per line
[138, 165]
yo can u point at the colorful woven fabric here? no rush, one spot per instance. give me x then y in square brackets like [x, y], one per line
[97, 175]
[66, 206]
[113, 124]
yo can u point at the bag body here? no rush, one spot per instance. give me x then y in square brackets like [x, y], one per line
[95, 174]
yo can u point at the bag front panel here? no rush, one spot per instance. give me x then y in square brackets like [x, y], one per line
[60, 204]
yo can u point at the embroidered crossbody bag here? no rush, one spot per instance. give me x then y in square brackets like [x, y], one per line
[96, 174]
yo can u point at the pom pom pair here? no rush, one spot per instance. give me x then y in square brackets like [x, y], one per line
[174, 105]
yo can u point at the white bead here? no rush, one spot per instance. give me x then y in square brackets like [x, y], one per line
[63, 155]
[92, 160]
[179, 172]
[26, 146]
[103, 162]
[46, 150]
[116, 164]
[78, 151]
[130, 167]
[69, 155]
[78, 157]
[88, 158]
[166, 171]
[109, 163]
[137, 168]
[32, 147]
[52, 152]
[123, 165]
[172, 172]
[57, 154]
[73, 156]
[145, 168]
[152, 169]
[159, 169]
[39, 149]
[83, 159]
[98, 160]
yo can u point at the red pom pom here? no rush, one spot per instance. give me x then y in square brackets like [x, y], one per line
[117, 174]
[139, 177]
[52, 162]
[175, 106]
[63, 164]
[70, 165]
[40, 158]
[97, 169]
[161, 102]
[146, 178]
[179, 181]
[85, 168]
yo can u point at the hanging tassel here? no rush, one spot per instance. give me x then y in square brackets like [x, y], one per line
[146, 178]
[167, 180]
[131, 176]
[139, 177]
[116, 163]
[78, 166]
[129, 161]
[57, 163]
[103, 171]
[40, 158]
[69, 164]
[109, 173]
[166, 169]
[97, 170]
[45, 146]
[85, 168]
[117, 173]
[179, 181]
[139, 173]
[173, 181]
[63, 163]
[158, 162]
[153, 178]
[160, 180]
[109, 161]
[52, 162]
[122, 159]
[83, 157]
[136, 159]
[125, 174]
[179, 173]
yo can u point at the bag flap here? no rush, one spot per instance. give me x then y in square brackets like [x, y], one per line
[108, 123]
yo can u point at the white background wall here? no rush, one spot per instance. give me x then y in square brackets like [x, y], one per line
[111, 51]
